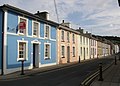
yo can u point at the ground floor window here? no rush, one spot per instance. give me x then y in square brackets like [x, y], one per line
[81, 51]
[47, 51]
[22, 50]
[73, 51]
[63, 51]
[87, 51]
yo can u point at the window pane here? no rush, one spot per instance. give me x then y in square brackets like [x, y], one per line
[62, 35]
[47, 50]
[22, 30]
[47, 31]
[63, 50]
[35, 29]
[22, 50]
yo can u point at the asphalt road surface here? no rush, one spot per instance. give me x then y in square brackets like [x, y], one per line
[70, 76]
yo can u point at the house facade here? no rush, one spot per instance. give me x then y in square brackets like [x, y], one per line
[67, 45]
[84, 47]
[103, 48]
[93, 47]
[27, 37]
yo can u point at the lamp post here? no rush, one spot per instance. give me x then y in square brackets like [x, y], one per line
[100, 72]
[119, 2]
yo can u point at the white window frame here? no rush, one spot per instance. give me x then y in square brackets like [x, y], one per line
[26, 42]
[38, 29]
[73, 38]
[45, 31]
[87, 51]
[47, 58]
[64, 51]
[62, 35]
[87, 41]
[81, 51]
[26, 32]
[68, 36]
[74, 54]
[81, 39]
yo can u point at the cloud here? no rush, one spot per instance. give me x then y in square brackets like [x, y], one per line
[97, 15]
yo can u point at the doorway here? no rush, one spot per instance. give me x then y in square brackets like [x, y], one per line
[68, 54]
[84, 53]
[36, 55]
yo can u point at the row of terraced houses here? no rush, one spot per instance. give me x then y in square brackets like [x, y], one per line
[41, 42]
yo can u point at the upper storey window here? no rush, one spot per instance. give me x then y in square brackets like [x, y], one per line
[47, 31]
[35, 29]
[62, 35]
[22, 26]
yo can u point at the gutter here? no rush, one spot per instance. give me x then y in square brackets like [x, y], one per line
[2, 60]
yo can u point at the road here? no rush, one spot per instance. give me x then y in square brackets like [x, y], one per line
[70, 76]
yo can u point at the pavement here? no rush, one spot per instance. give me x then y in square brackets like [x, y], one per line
[32, 72]
[111, 77]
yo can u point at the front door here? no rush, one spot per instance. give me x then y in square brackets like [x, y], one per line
[84, 53]
[68, 54]
[35, 55]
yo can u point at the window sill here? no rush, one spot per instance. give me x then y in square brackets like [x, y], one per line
[22, 34]
[62, 41]
[21, 59]
[73, 42]
[62, 57]
[47, 58]
[36, 36]
[47, 38]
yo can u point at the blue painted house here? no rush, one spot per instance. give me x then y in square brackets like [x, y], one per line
[26, 36]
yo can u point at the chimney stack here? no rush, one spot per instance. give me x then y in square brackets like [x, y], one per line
[43, 15]
[67, 24]
[81, 30]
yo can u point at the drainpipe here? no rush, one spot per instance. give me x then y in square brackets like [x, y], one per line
[2, 59]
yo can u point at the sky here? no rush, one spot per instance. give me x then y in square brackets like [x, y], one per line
[99, 17]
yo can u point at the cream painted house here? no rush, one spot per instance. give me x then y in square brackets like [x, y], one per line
[83, 45]
[67, 45]
[93, 47]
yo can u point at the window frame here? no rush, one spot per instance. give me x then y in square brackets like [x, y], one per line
[81, 39]
[62, 35]
[81, 51]
[87, 51]
[26, 56]
[73, 38]
[73, 51]
[38, 33]
[63, 56]
[68, 36]
[45, 25]
[47, 58]
[26, 32]
[86, 41]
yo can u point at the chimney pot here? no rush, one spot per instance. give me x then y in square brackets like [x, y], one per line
[63, 21]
